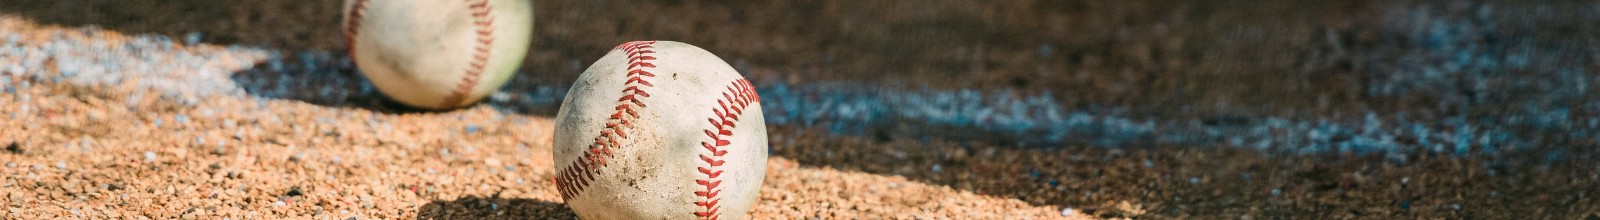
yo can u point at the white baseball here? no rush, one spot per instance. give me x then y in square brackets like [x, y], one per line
[660, 130]
[438, 54]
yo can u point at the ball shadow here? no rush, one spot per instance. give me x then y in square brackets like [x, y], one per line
[494, 208]
[318, 78]
[331, 79]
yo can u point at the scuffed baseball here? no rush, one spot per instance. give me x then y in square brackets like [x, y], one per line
[648, 127]
[438, 54]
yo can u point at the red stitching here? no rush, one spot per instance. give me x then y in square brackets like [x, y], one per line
[576, 177]
[481, 18]
[353, 25]
[738, 97]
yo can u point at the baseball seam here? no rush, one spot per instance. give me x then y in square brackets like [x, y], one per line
[733, 103]
[576, 176]
[480, 58]
[352, 26]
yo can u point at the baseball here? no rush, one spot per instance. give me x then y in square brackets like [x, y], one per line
[438, 54]
[660, 130]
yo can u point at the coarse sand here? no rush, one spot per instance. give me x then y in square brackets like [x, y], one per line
[206, 109]
[96, 150]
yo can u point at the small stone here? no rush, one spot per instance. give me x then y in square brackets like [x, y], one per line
[149, 156]
[192, 38]
[221, 149]
[14, 148]
[85, 143]
[499, 96]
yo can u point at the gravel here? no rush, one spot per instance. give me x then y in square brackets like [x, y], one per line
[166, 110]
[248, 110]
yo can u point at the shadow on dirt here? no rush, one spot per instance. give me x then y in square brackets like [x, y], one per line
[494, 208]
[329, 79]
[311, 67]
[287, 25]
[307, 60]
[1181, 60]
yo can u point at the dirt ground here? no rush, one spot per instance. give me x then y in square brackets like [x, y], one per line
[299, 141]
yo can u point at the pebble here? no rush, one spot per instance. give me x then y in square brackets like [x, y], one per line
[85, 143]
[221, 149]
[312, 59]
[193, 38]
